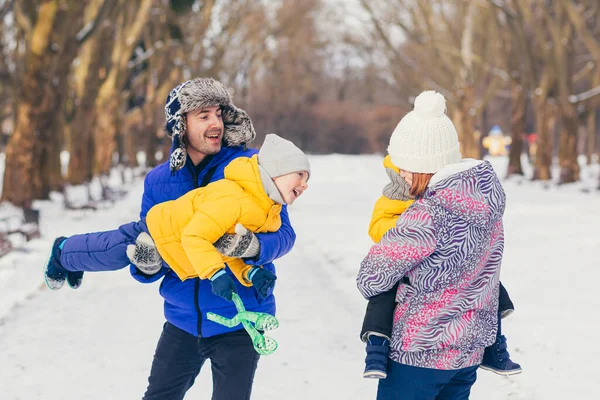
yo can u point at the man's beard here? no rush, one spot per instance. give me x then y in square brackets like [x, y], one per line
[203, 147]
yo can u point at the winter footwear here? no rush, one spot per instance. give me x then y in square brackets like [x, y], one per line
[378, 348]
[54, 272]
[74, 279]
[497, 360]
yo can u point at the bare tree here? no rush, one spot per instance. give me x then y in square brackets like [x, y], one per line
[32, 161]
[88, 76]
[129, 26]
[446, 47]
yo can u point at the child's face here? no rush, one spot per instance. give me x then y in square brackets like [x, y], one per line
[291, 186]
[407, 176]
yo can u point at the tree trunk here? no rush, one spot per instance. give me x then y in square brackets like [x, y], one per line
[591, 134]
[131, 23]
[517, 123]
[545, 123]
[567, 151]
[464, 121]
[32, 155]
[105, 130]
[132, 135]
[91, 73]
[156, 97]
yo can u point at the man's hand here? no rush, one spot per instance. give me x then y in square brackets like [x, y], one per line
[241, 244]
[144, 254]
[397, 189]
[223, 285]
[263, 280]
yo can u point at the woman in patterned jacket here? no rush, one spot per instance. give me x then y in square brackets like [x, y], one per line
[449, 245]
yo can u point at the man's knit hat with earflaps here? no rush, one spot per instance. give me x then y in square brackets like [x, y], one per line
[194, 95]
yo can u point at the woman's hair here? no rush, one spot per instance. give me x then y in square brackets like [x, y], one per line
[419, 184]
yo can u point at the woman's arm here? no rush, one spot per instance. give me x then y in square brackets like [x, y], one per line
[400, 249]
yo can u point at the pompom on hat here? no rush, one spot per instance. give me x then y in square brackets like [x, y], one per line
[425, 140]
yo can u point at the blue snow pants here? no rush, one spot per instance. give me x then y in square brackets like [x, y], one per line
[101, 251]
[405, 382]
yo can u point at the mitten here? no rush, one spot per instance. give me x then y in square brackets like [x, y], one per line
[241, 244]
[263, 280]
[144, 254]
[223, 285]
[397, 189]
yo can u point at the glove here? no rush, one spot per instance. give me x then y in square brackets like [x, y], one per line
[223, 285]
[241, 244]
[263, 281]
[144, 254]
[397, 189]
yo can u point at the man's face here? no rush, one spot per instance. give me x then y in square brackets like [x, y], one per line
[204, 132]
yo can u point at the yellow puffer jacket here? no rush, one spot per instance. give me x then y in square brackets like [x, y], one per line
[185, 229]
[386, 211]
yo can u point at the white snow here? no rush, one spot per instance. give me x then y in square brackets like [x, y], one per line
[97, 342]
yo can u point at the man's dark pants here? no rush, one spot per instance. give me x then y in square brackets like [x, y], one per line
[179, 357]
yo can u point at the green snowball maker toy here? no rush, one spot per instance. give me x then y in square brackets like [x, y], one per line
[263, 345]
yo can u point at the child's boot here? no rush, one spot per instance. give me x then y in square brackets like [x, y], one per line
[378, 348]
[54, 273]
[496, 358]
[74, 279]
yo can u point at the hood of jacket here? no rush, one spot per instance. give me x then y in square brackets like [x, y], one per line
[470, 190]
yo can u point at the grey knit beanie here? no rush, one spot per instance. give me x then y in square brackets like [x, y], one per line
[279, 156]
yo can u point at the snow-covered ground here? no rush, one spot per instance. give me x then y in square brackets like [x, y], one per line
[97, 342]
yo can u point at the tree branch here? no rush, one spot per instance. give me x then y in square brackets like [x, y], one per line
[86, 32]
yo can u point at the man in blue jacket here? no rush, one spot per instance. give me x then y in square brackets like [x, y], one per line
[208, 131]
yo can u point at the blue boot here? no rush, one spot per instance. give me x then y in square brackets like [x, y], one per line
[496, 358]
[74, 279]
[54, 273]
[378, 349]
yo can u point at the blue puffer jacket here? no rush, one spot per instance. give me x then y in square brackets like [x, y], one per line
[184, 301]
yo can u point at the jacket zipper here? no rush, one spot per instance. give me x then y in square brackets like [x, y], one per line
[205, 181]
[197, 282]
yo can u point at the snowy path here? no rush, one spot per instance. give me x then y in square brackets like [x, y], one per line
[97, 342]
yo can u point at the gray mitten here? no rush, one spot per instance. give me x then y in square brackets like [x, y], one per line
[241, 244]
[397, 189]
[144, 254]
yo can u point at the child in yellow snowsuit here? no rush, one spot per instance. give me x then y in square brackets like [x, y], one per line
[249, 200]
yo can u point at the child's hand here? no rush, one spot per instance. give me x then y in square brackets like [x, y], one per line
[223, 285]
[397, 189]
[144, 254]
[241, 244]
[263, 280]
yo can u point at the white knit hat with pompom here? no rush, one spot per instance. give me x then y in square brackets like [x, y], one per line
[425, 140]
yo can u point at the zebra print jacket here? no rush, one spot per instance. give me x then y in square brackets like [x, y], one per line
[449, 244]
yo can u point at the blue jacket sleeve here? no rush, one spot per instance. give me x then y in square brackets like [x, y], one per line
[275, 244]
[147, 203]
